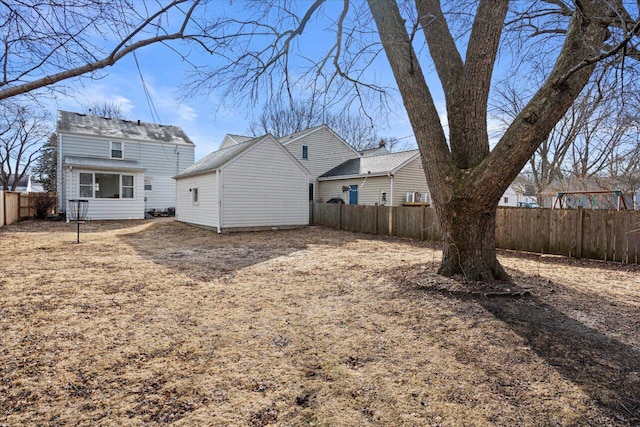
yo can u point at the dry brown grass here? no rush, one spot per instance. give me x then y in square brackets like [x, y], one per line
[158, 322]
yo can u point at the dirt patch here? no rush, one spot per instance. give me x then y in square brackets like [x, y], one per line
[157, 322]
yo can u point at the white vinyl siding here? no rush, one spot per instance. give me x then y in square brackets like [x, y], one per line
[409, 178]
[205, 212]
[264, 187]
[325, 152]
[121, 208]
[162, 160]
[369, 190]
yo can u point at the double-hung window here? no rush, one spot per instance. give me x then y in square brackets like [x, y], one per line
[86, 185]
[117, 150]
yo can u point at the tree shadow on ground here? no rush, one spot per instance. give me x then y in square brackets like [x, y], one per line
[204, 255]
[604, 367]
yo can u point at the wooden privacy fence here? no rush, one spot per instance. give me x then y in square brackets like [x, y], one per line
[18, 206]
[581, 233]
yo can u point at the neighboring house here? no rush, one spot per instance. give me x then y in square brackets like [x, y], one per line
[23, 185]
[384, 179]
[122, 167]
[518, 194]
[375, 151]
[253, 184]
[509, 198]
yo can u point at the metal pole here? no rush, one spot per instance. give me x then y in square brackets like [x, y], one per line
[78, 221]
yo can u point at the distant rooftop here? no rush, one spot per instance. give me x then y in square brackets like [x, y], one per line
[89, 124]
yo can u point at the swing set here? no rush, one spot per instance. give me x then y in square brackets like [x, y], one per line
[561, 202]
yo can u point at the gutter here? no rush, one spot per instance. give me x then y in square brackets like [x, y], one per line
[355, 176]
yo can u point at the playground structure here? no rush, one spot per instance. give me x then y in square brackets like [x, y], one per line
[561, 199]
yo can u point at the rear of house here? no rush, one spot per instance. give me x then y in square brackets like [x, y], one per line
[122, 167]
[251, 185]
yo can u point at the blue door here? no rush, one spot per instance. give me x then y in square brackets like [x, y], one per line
[353, 194]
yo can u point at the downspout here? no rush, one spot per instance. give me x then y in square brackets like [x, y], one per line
[390, 175]
[390, 220]
[219, 184]
[177, 151]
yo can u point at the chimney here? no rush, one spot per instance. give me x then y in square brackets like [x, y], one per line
[381, 144]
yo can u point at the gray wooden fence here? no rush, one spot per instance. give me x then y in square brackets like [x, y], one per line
[581, 233]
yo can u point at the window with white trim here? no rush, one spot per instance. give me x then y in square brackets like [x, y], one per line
[86, 185]
[117, 150]
[127, 186]
[106, 186]
[148, 183]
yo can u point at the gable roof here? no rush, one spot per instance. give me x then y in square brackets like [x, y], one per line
[89, 124]
[232, 139]
[216, 159]
[296, 135]
[381, 164]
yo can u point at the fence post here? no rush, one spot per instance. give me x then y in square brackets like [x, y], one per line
[579, 228]
[422, 222]
[339, 216]
[375, 218]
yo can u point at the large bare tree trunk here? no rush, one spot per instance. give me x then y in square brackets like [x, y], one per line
[469, 242]
[466, 178]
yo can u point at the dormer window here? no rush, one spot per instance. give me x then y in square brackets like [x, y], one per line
[117, 149]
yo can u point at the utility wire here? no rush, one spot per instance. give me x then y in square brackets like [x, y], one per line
[147, 94]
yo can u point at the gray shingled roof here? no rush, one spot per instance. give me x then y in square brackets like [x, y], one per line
[373, 165]
[103, 164]
[218, 158]
[121, 129]
[239, 138]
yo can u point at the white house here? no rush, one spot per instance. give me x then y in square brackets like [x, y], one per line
[516, 195]
[122, 167]
[385, 179]
[250, 185]
[319, 149]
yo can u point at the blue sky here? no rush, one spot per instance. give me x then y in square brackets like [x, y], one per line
[205, 118]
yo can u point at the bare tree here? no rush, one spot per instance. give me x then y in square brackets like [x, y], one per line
[44, 43]
[466, 176]
[284, 117]
[112, 110]
[596, 136]
[22, 134]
